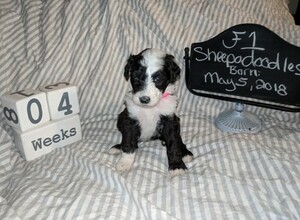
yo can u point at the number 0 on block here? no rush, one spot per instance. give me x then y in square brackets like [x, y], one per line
[25, 109]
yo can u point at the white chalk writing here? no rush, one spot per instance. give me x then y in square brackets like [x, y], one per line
[245, 64]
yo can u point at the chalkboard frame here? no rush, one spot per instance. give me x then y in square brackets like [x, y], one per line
[237, 98]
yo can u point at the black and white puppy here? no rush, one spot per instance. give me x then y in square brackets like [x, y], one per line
[150, 110]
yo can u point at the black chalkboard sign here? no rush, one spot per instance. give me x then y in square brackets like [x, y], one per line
[247, 63]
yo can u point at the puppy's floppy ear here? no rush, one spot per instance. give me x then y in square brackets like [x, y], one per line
[172, 68]
[128, 66]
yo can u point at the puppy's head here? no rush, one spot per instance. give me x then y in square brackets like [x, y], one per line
[150, 73]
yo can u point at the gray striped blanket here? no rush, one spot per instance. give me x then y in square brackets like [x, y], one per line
[86, 43]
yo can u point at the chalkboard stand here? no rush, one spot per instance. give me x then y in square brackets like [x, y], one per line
[238, 120]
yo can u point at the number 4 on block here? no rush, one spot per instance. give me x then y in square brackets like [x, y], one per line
[62, 99]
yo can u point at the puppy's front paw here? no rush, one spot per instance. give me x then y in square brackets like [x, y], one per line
[125, 163]
[177, 172]
[177, 168]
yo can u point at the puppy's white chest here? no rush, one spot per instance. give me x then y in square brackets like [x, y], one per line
[148, 117]
[148, 122]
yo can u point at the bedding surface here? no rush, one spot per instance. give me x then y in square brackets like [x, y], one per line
[232, 176]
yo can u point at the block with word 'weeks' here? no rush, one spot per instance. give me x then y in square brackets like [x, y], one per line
[62, 99]
[25, 109]
[43, 119]
[42, 140]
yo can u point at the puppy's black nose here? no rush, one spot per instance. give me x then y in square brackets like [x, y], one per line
[144, 99]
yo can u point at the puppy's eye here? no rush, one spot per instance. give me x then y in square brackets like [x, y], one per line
[136, 78]
[157, 79]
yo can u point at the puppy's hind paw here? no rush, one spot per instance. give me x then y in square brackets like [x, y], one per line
[187, 158]
[115, 150]
[125, 163]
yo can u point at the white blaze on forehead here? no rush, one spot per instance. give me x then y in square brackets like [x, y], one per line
[153, 60]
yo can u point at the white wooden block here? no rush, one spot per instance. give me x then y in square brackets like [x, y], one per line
[62, 99]
[54, 134]
[25, 109]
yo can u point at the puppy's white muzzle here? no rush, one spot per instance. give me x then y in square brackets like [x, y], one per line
[147, 98]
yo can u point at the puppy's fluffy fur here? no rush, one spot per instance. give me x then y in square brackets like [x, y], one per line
[150, 110]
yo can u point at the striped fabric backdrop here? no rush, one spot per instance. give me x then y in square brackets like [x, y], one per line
[233, 176]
